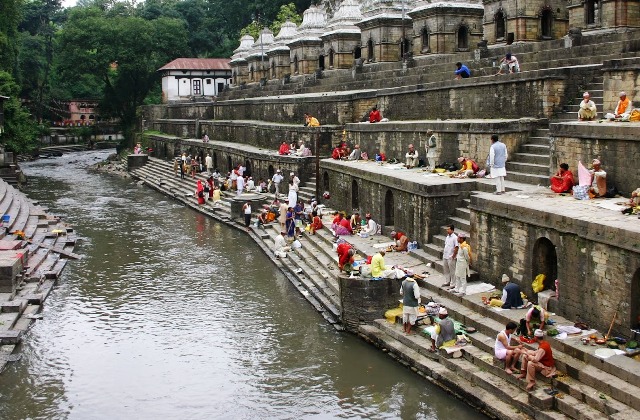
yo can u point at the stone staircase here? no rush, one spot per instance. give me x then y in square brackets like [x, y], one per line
[589, 388]
[596, 90]
[38, 246]
[530, 164]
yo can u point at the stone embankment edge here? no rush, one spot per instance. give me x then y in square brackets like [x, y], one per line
[432, 371]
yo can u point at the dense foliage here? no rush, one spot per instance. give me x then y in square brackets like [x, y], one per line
[109, 50]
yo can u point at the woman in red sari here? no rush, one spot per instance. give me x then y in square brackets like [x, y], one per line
[200, 192]
[562, 181]
[210, 183]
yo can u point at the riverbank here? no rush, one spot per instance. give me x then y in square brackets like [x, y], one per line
[477, 377]
[34, 249]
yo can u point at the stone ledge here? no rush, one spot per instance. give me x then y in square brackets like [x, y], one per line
[595, 130]
[455, 126]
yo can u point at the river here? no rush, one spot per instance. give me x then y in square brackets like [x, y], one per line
[173, 315]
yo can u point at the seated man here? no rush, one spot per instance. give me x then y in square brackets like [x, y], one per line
[623, 108]
[280, 247]
[412, 157]
[355, 153]
[511, 296]
[562, 181]
[509, 64]
[462, 71]
[635, 198]
[401, 241]
[310, 121]
[378, 269]
[469, 168]
[262, 218]
[598, 180]
[374, 115]
[540, 360]
[284, 148]
[443, 334]
[587, 111]
[370, 228]
[345, 257]
[503, 349]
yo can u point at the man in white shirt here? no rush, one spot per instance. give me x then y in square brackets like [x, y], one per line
[448, 262]
[280, 247]
[277, 179]
[208, 162]
[370, 228]
[295, 179]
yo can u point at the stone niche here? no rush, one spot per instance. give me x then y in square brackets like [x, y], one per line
[445, 28]
[341, 42]
[306, 48]
[279, 53]
[383, 25]
[602, 14]
[597, 265]
[511, 21]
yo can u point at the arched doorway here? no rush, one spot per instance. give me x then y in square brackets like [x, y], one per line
[463, 38]
[271, 171]
[635, 301]
[546, 22]
[545, 261]
[357, 52]
[331, 58]
[247, 168]
[370, 56]
[325, 181]
[404, 48]
[229, 164]
[273, 69]
[590, 12]
[389, 209]
[424, 38]
[501, 27]
[296, 67]
[321, 62]
[215, 160]
[355, 199]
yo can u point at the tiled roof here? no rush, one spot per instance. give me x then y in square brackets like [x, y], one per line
[197, 64]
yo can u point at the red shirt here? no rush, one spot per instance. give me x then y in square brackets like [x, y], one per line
[345, 223]
[336, 154]
[343, 253]
[547, 359]
[284, 149]
[374, 116]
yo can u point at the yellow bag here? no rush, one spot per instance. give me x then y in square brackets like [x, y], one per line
[635, 115]
[538, 283]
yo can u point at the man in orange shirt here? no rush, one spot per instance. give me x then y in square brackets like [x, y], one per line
[540, 360]
[622, 108]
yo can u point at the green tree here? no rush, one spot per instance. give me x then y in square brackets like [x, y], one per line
[124, 52]
[286, 12]
[10, 15]
[20, 130]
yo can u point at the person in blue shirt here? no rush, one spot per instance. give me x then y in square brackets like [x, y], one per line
[463, 71]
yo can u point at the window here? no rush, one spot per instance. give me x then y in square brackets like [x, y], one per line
[590, 12]
[295, 64]
[208, 81]
[357, 52]
[321, 62]
[501, 27]
[463, 38]
[331, 58]
[546, 21]
[424, 39]
[404, 48]
[197, 86]
[273, 69]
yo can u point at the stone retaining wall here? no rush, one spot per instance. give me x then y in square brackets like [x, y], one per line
[595, 263]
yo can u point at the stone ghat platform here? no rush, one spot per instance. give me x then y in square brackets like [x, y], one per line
[590, 387]
[34, 249]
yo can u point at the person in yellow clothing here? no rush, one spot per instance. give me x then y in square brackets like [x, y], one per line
[622, 108]
[467, 169]
[310, 121]
[378, 269]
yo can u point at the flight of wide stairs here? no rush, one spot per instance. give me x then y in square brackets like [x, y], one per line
[586, 391]
[45, 249]
[596, 90]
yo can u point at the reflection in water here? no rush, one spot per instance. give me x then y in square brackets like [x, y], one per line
[172, 315]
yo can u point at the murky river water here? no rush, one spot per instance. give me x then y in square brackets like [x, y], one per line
[172, 315]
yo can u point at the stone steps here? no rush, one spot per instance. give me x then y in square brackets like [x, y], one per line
[533, 158]
[527, 168]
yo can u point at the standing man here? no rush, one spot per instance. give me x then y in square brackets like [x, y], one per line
[216, 178]
[296, 180]
[240, 186]
[497, 162]
[463, 261]
[208, 162]
[432, 149]
[539, 361]
[448, 259]
[246, 212]
[277, 179]
[410, 292]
